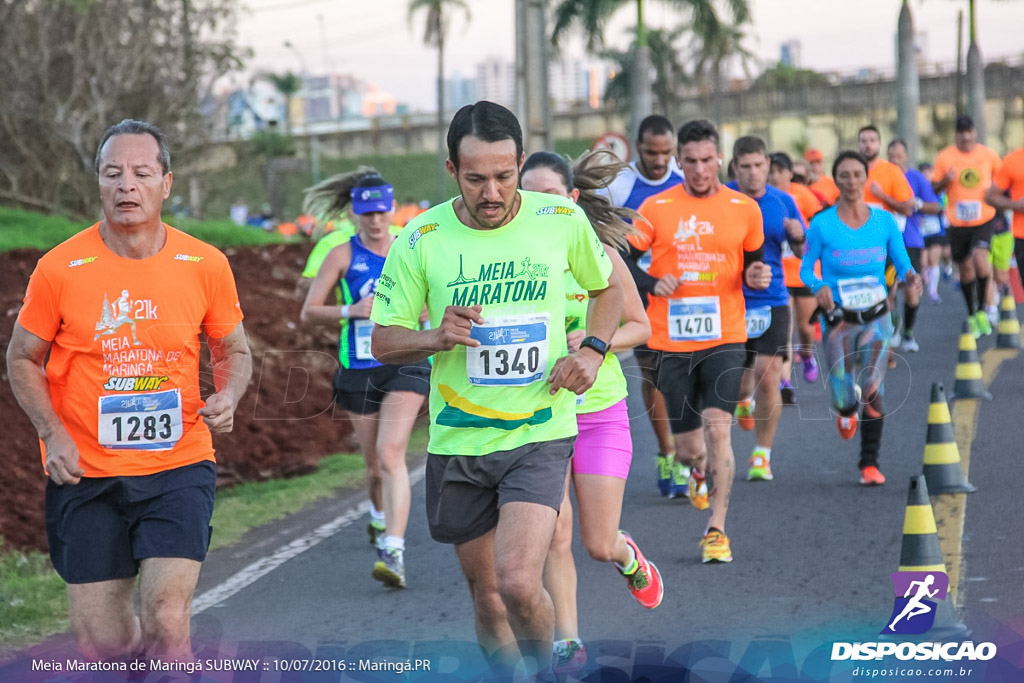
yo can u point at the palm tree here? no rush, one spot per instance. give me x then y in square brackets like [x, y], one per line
[714, 44]
[434, 36]
[592, 17]
[669, 73]
[288, 84]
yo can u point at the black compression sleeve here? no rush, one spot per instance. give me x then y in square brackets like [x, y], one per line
[753, 257]
[644, 282]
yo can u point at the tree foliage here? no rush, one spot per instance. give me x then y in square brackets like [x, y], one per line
[71, 68]
[669, 74]
[784, 76]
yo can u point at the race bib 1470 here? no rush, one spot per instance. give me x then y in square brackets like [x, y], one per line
[695, 318]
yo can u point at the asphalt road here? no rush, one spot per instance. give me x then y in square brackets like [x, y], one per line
[813, 553]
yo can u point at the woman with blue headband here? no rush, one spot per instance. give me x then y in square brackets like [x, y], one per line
[375, 394]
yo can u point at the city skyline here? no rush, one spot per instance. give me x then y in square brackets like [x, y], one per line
[386, 50]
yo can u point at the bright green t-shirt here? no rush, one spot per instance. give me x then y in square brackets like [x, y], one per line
[342, 233]
[610, 386]
[494, 397]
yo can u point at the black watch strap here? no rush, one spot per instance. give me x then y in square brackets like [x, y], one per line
[595, 344]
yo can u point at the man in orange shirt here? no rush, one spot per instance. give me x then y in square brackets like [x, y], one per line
[820, 183]
[964, 171]
[801, 303]
[1009, 179]
[104, 359]
[887, 187]
[706, 241]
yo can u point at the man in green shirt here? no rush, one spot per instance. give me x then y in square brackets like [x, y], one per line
[490, 266]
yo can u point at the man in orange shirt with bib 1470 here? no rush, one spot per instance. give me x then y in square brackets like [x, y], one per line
[964, 170]
[706, 241]
[104, 360]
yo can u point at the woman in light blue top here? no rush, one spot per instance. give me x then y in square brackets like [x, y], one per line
[853, 241]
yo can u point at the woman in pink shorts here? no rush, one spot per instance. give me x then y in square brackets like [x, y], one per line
[603, 448]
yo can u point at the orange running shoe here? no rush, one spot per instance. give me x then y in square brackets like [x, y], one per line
[871, 476]
[745, 414]
[714, 547]
[847, 426]
[645, 581]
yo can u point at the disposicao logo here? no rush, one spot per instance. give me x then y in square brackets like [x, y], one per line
[914, 610]
[913, 613]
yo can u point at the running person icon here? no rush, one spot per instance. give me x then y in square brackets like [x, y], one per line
[116, 315]
[915, 607]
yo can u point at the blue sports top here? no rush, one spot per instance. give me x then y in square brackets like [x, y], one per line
[360, 282]
[776, 205]
[853, 260]
[630, 188]
[913, 234]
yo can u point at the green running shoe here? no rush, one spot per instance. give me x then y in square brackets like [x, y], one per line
[389, 569]
[376, 531]
[984, 326]
[665, 472]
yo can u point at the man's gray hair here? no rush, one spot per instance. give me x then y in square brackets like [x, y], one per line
[134, 127]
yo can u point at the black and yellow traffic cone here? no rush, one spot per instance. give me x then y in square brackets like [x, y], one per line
[1008, 330]
[921, 552]
[969, 383]
[942, 469]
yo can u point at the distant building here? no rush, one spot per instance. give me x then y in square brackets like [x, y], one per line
[571, 83]
[459, 91]
[789, 54]
[378, 103]
[496, 81]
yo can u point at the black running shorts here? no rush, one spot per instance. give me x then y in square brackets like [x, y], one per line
[101, 528]
[693, 382]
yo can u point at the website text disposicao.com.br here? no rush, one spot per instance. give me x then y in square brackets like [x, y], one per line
[947, 658]
[947, 672]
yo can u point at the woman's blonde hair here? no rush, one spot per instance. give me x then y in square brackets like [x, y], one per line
[590, 173]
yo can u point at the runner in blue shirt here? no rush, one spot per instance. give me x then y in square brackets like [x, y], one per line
[768, 315]
[382, 400]
[852, 241]
[654, 171]
[926, 205]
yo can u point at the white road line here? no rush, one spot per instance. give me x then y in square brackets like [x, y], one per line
[260, 568]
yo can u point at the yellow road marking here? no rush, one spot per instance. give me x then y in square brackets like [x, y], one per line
[950, 508]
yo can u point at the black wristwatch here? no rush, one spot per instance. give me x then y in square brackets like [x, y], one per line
[595, 344]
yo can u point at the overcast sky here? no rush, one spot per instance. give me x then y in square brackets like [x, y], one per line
[383, 48]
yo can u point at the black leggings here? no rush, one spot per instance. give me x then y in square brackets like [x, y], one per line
[1018, 252]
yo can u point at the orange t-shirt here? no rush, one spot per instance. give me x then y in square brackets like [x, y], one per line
[809, 205]
[701, 241]
[966, 192]
[893, 182]
[1009, 177]
[124, 361]
[826, 187]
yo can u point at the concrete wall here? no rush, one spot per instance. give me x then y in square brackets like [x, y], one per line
[826, 117]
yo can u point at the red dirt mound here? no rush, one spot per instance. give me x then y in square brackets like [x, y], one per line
[284, 424]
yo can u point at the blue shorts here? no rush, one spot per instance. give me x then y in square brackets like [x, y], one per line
[102, 527]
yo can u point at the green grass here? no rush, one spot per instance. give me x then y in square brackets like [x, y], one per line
[33, 603]
[247, 506]
[21, 229]
[412, 175]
